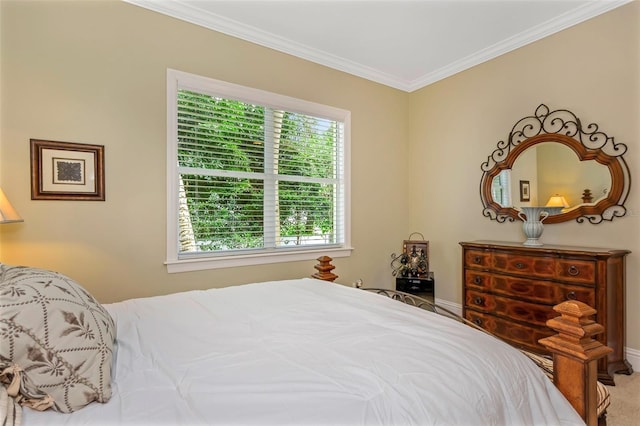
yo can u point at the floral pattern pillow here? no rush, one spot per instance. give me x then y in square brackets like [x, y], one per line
[56, 334]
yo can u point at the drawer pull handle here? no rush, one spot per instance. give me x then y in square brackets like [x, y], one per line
[477, 280]
[478, 301]
[519, 265]
[477, 321]
[571, 295]
[477, 259]
[573, 270]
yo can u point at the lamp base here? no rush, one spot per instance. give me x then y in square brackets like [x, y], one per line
[532, 224]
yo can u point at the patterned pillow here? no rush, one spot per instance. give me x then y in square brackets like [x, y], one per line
[57, 334]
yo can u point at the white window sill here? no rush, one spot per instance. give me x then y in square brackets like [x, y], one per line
[200, 264]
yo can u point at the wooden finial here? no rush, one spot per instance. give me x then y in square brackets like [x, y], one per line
[324, 269]
[575, 356]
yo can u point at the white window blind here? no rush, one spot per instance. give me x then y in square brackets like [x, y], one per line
[254, 174]
[501, 188]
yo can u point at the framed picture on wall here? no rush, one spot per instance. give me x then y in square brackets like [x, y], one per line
[525, 194]
[66, 171]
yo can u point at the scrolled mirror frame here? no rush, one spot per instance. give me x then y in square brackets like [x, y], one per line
[589, 143]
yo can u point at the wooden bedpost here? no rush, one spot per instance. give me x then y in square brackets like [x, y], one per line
[324, 269]
[575, 356]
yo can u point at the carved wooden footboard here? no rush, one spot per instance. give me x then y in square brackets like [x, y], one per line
[575, 356]
[575, 352]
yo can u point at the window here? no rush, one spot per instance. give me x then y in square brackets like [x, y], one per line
[501, 188]
[253, 177]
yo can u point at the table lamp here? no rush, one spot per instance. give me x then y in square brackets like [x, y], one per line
[557, 201]
[7, 213]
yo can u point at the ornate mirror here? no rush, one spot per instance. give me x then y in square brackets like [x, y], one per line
[551, 158]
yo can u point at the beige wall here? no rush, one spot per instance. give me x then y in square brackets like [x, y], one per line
[560, 172]
[95, 73]
[591, 69]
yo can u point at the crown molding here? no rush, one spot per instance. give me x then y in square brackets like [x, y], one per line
[186, 12]
[536, 33]
[189, 13]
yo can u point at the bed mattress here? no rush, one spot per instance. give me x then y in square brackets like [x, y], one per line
[309, 352]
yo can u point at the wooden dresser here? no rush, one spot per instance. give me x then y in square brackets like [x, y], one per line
[510, 289]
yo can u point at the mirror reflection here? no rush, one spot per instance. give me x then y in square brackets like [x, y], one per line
[550, 157]
[552, 170]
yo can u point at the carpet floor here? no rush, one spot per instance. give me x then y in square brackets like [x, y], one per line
[625, 401]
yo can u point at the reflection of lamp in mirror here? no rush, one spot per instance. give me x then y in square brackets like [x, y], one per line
[556, 204]
[7, 213]
[557, 201]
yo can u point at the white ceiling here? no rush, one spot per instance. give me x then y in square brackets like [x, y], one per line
[399, 43]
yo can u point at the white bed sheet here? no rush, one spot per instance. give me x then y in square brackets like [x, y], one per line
[308, 352]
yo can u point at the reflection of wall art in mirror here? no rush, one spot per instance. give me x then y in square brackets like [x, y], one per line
[525, 188]
[589, 144]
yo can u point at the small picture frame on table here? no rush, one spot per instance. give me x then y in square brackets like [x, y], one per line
[66, 171]
[416, 255]
[525, 193]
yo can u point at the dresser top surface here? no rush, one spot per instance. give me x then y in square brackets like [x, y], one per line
[544, 248]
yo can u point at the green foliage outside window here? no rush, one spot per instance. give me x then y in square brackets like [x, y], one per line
[223, 142]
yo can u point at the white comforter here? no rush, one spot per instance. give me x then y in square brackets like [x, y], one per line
[308, 352]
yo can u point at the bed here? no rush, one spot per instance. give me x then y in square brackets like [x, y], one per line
[301, 352]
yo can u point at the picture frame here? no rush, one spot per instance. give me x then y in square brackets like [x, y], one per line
[416, 253]
[67, 171]
[525, 190]
[407, 246]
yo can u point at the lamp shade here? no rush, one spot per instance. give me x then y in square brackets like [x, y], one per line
[7, 213]
[557, 201]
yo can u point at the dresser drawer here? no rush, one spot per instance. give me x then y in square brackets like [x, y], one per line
[579, 271]
[520, 335]
[532, 266]
[547, 292]
[477, 259]
[517, 310]
[477, 279]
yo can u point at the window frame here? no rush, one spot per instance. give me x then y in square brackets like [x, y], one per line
[177, 80]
